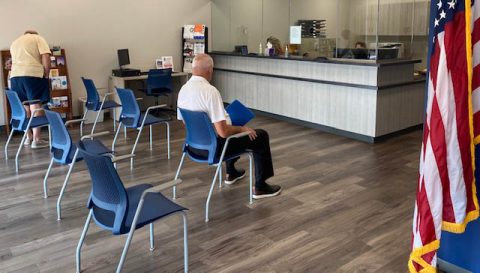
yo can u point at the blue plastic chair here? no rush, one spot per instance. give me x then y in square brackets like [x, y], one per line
[159, 83]
[20, 122]
[64, 152]
[94, 104]
[123, 210]
[131, 117]
[202, 135]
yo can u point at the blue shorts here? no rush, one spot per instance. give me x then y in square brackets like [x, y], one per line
[31, 88]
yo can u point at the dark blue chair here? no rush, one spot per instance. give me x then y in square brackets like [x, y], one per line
[123, 210]
[159, 83]
[20, 122]
[202, 135]
[131, 117]
[96, 105]
[64, 152]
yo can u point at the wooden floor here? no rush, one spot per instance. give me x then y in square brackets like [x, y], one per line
[346, 206]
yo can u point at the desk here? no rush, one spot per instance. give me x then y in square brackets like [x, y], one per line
[136, 82]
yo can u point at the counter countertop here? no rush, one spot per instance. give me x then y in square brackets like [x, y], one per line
[325, 60]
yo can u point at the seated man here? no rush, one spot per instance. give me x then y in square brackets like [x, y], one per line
[199, 95]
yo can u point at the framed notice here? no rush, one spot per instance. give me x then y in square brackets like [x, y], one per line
[295, 35]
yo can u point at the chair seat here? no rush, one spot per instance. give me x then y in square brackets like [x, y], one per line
[204, 158]
[36, 122]
[93, 144]
[128, 122]
[109, 104]
[155, 207]
[156, 92]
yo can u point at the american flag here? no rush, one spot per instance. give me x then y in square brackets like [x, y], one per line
[446, 193]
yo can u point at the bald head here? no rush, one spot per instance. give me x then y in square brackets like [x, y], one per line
[30, 31]
[203, 66]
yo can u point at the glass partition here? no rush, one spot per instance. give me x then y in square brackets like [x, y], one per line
[367, 30]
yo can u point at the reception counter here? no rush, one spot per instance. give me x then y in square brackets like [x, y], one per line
[360, 99]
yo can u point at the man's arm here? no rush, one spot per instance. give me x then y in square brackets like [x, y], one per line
[46, 65]
[224, 130]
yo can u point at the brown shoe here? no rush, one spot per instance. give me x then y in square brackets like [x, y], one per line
[266, 191]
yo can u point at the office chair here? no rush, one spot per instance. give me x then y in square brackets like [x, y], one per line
[159, 83]
[94, 104]
[64, 152]
[123, 210]
[131, 117]
[20, 122]
[201, 135]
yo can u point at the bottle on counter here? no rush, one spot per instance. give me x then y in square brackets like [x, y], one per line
[286, 51]
[260, 49]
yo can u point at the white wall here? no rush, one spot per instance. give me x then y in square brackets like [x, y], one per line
[91, 31]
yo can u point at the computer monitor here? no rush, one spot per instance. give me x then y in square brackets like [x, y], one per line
[360, 53]
[241, 49]
[343, 53]
[123, 57]
[384, 53]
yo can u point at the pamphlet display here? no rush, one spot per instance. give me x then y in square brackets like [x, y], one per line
[194, 41]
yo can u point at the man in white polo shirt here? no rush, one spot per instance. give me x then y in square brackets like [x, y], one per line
[199, 95]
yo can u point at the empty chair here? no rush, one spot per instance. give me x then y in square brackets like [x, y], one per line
[131, 117]
[123, 210]
[202, 135]
[159, 83]
[64, 152]
[96, 105]
[20, 122]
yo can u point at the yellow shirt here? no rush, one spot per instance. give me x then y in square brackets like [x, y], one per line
[27, 53]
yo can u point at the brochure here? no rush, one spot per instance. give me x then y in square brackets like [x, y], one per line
[167, 62]
[59, 83]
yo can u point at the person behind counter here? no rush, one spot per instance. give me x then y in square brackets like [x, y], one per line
[277, 46]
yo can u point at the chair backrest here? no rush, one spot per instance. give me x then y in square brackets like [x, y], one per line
[159, 81]
[19, 115]
[200, 132]
[61, 139]
[108, 197]
[130, 109]
[93, 99]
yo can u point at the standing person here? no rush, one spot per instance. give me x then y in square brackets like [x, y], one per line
[199, 95]
[29, 76]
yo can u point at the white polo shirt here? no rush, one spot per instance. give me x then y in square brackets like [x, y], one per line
[199, 95]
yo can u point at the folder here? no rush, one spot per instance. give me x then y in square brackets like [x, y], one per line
[239, 113]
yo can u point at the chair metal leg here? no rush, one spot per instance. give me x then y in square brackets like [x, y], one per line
[178, 174]
[151, 146]
[81, 123]
[95, 123]
[152, 239]
[8, 142]
[130, 236]
[185, 242]
[220, 176]
[207, 205]
[49, 137]
[168, 140]
[116, 135]
[82, 238]
[64, 187]
[20, 149]
[250, 157]
[45, 180]
[125, 132]
[135, 146]
[114, 117]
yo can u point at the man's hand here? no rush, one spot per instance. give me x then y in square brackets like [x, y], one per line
[252, 134]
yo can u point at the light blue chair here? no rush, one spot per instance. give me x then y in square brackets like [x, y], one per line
[96, 105]
[131, 117]
[20, 122]
[64, 152]
[202, 135]
[123, 210]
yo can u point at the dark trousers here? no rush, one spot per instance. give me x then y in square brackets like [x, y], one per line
[260, 148]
